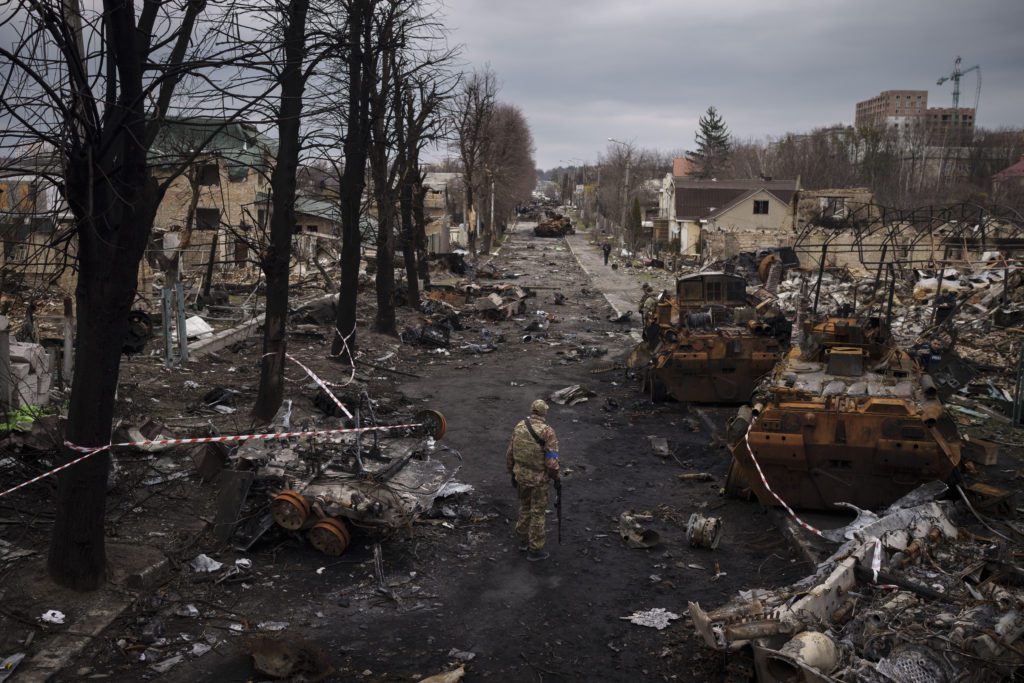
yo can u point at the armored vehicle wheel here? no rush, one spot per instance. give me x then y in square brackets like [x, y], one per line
[432, 423]
[290, 510]
[330, 536]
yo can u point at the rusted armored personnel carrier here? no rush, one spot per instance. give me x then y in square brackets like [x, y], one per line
[554, 225]
[710, 345]
[849, 417]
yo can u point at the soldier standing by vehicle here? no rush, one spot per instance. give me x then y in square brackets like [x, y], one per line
[648, 293]
[532, 459]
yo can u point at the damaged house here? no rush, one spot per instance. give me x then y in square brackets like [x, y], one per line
[210, 211]
[441, 202]
[725, 217]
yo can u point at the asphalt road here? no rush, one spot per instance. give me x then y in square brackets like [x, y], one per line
[460, 591]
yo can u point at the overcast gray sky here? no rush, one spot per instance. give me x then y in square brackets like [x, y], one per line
[645, 70]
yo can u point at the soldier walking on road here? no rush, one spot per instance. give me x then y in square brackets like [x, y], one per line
[532, 459]
[606, 249]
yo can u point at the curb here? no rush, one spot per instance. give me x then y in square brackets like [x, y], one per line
[579, 262]
[102, 608]
[633, 333]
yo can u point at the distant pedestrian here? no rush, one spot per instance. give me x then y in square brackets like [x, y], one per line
[607, 249]
[532, 459]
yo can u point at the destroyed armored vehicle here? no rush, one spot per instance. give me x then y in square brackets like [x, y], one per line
[554, 225]
[380, 481]
[847, 418]
[711, 346]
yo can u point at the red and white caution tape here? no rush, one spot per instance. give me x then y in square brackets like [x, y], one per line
[876, 543]
[89, 451]
[321, 384]
[55, 470]
[764, 481]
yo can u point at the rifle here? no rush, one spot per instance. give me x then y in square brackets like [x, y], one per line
[558, 506]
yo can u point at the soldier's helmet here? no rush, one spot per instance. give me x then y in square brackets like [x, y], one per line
[539, 407]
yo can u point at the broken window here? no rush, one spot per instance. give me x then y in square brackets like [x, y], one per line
[761, 206]
[241, 251]
[834, 206]
[209, 174]
[207, 219]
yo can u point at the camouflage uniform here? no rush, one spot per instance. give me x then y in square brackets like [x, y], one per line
[532, 466]
[649, 308]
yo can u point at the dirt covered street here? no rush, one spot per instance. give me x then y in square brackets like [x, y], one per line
[453, 589]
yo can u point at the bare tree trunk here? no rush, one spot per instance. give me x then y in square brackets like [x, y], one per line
[409, 240]
[208, 282]
[489, 228]
[112, 240]
[275, 262]
[360, 67]
[420, 229]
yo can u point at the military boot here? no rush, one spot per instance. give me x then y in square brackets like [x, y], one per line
[537, 555]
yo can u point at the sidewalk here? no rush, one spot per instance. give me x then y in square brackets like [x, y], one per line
[621, 287]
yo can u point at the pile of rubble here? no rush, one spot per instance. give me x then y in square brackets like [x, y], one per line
[911, 595]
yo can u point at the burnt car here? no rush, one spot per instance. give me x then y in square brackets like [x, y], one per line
[851, 418]
[709, 344]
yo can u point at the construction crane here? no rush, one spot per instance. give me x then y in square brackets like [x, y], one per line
[955, 77]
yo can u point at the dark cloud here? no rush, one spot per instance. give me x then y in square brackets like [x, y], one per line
[586, 70]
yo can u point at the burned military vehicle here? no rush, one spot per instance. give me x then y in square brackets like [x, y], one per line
[710, 345]
[377, 478]
[850, 417]
[554, 225]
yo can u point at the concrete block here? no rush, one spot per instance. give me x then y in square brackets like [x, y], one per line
[44, 381]
[33, 354]
[24, 393]
[137, 567]
[20, 370]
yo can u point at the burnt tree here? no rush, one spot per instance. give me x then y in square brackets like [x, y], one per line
[419, 122]
[90, 116]
[275, 259]
[360, 72]
[472, 108]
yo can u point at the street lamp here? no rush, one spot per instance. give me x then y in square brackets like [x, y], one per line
[625, 184]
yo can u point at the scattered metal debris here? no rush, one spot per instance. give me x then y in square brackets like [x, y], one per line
[955, 613]
[633, 529]
[571, 395]
[659, 618]
[704, 532]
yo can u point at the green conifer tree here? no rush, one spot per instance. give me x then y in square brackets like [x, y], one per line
[711, 157]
